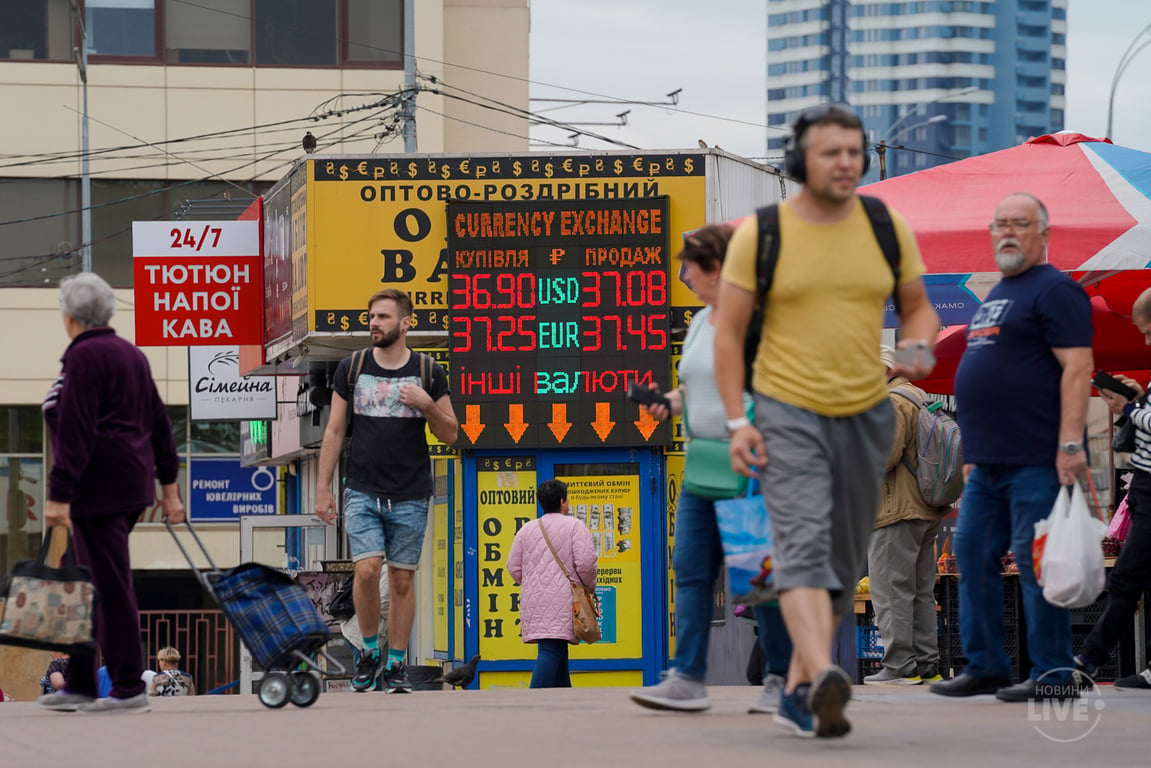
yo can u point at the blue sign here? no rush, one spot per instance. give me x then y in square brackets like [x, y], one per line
[949, 294]
[220, 490]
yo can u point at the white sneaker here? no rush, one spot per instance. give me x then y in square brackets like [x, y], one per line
[62, 701]
[137, 703]
[673, 692]
[768, 699]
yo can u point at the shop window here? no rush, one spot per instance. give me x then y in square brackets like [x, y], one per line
[21, 483]
[121, 27]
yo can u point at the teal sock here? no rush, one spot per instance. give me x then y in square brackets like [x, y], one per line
[372, 645]
[395, 658]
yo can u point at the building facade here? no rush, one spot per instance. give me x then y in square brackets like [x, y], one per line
[194, 109]
[946, 79]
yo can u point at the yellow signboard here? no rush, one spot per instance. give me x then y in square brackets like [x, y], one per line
[609, 506]
[506, 499]
[590, 679]
[379, 222]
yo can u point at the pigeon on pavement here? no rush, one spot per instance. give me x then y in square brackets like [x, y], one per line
[462, 676]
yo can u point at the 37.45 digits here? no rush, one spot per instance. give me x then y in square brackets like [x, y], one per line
[484, 290]
[592, 333]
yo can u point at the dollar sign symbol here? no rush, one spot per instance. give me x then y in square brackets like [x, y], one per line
[548, 170]
[412, 170]
[618, 167]
[343, 172]
[517, 168]
[344, 323]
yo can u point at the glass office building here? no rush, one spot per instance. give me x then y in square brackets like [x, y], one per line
[946, 79]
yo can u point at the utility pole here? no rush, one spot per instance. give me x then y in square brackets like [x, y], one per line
[408, 110]
[85, 176]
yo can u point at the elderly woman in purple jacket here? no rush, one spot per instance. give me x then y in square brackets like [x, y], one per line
[111, 440]
[545, 592]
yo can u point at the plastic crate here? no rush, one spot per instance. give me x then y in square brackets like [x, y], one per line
[868, 643]
[867, 667]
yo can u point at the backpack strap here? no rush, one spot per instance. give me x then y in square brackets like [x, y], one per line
[354, 367]
[913, 397]
[426, 366]
[884, 229]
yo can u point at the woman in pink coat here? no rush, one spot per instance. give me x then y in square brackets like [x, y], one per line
[545, 592]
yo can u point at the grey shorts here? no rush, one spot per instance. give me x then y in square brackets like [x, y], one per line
[822, 488]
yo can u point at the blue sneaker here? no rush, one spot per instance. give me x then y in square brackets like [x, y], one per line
[794, 713]
[829, 696]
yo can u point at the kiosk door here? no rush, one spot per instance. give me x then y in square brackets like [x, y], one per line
[618, 495]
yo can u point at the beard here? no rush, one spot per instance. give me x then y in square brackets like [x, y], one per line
[387, 338]
[1008, 262]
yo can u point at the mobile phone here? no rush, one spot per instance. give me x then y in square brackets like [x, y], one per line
[1106, 381]
[645, 396]
[915, 356]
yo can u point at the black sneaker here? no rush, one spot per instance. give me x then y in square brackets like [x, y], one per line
[367, 670]
[396, 679]
[1140, 681]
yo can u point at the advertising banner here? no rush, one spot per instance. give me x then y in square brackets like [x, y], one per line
[217, 391]
[197, 283]
[220, 490]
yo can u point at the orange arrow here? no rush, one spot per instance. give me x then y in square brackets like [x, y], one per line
[646, 424]
[473, 426]
[603, 425]
[516, 425]
[559, 425]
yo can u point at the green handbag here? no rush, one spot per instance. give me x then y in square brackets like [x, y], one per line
[707, 471]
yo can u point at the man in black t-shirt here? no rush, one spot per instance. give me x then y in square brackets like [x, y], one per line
[389, 478]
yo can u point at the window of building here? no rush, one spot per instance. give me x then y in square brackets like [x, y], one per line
[297, 33]
[375, 31]
[42, 247]
[208, 32]
[121, 27]
[41, 29]
[22, 483]
[264, 33]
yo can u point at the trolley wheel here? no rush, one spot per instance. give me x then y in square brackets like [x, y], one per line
[275, 690]
[305, 688]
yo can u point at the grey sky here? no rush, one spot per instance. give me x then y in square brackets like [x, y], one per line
[715, 52]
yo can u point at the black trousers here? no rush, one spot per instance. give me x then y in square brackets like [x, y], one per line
[101, 543]
[1130, 577]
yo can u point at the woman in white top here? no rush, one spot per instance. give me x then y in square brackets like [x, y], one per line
[698, 552]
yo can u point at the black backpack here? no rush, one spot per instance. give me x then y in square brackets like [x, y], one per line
[767, 257]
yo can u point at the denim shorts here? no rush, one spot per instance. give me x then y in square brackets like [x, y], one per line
[380, 527]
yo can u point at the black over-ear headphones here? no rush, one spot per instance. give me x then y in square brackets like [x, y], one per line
[794, 161]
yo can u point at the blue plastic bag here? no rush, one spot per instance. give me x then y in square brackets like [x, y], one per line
[745, 532]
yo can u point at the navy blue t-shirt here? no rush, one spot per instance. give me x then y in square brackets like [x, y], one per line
[1007, 387]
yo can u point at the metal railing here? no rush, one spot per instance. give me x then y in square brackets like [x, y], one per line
[209, 648]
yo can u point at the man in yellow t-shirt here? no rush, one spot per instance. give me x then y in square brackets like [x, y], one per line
[824, 425]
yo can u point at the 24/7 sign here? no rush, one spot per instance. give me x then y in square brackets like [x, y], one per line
[197, 283]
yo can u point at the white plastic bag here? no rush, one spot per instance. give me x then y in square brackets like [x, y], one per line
[1072, 567]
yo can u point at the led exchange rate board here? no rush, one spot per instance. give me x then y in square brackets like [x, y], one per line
[555, 309]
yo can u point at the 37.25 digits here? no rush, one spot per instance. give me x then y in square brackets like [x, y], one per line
[526, 290]
[592, 333]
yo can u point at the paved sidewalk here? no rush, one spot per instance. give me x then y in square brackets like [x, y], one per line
[574, 727]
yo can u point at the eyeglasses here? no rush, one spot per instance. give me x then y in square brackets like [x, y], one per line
[1000, 225]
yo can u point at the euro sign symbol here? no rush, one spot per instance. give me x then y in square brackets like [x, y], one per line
[362, 168]
[343, 172]
[344, 323]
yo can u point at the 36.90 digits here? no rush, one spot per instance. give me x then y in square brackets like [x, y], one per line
[483, 290]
